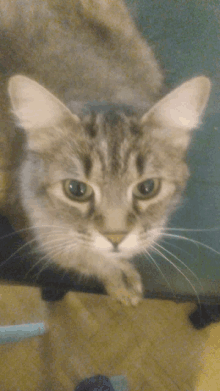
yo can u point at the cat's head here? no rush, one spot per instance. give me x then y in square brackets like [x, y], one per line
[105, 183]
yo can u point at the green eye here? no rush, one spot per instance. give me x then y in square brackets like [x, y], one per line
[147, 189]
[76, 190]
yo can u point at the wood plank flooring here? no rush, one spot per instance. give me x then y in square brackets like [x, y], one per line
[153, 345]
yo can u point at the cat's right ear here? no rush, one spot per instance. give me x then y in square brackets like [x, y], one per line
[39, 113]
[178, 113]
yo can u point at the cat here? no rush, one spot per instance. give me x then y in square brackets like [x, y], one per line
[98, 164]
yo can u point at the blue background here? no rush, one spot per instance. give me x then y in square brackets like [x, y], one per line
[185, 37]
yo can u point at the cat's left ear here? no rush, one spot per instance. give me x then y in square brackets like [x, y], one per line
[39, 112]
[179, 112]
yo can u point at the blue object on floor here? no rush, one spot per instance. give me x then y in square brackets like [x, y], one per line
[119, 383]
[103, 383]
[19, 332]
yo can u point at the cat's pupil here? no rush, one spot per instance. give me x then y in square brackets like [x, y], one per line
[78, 189]
[146, 187]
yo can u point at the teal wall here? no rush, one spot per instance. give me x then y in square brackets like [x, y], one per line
[185, 36]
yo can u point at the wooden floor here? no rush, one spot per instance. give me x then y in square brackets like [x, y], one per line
[153, 345]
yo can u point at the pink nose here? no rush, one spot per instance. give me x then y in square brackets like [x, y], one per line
[116, 238]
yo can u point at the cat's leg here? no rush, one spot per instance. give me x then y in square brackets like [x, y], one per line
[124, 284]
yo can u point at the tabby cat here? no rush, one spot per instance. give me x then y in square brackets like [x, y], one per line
[98, 164]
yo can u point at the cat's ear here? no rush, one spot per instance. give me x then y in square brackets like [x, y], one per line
[38, 111]
[180, 111]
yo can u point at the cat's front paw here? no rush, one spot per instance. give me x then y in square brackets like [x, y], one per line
[125, 286]
[126, 296]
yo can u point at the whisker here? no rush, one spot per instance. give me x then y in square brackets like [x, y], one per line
[41, 260]
[63, 245]
[21, 248]
[45, 266]
[158, 267]
[179, 248]
[194, 229]
[57, 234]
[180, 271]
[47, 255]
[81, 238]
[191, 240]
[59, 229]
[187, 267]
[32, 228]
[17, 251]
[60, 239]
[55, 250]
[63, 274]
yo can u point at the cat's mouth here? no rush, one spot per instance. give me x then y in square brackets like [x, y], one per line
[115, 250]
[116, 243]
[116, 238]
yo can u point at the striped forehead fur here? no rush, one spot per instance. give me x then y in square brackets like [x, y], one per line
[116, 136]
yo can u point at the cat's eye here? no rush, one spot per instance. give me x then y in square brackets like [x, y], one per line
[76, 190]
[147, 189]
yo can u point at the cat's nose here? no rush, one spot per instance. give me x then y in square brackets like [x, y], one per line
[116, 238]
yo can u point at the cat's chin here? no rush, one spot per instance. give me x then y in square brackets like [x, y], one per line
[119, 254]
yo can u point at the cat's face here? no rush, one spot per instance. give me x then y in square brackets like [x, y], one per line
[100, 188]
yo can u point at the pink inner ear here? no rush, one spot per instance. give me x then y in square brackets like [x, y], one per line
[34, 106]
[182, 116]
[183, 107]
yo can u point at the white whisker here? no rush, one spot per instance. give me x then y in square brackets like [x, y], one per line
[60, 239]
[217, 228]
[179, 248]
[55, 250]
[179, 260]
[17, 251]
[31, 229]
[192, 241]
[180, 271]
[158, 267]
[45, 266]
[49, 251]
[63, 275]
[35, 265]
[55, 229]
